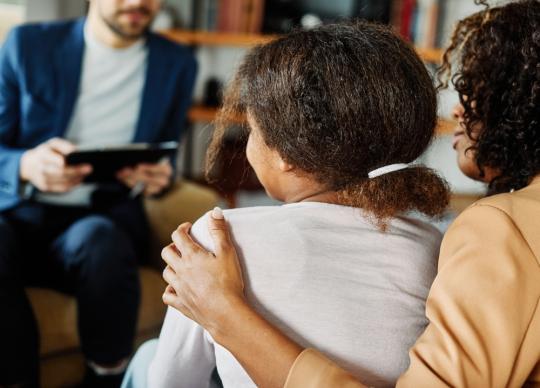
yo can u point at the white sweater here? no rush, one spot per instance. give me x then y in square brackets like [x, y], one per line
[327, 277]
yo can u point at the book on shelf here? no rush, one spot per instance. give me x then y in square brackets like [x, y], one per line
[417, 20]
[256, 16]
[229, 16]
[205, 13]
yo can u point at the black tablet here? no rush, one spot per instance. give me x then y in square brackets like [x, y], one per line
[106, 161]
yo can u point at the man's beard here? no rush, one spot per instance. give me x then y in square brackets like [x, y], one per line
[118, 29]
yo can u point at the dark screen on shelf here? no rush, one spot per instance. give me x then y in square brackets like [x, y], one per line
[283, 15]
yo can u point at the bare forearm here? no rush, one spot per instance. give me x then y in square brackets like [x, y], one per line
[265, 353]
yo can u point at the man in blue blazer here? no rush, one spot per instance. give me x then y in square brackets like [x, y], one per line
[101, 80]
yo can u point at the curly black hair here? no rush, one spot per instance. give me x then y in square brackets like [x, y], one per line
[496, 55]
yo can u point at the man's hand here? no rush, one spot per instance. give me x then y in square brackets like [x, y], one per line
[155, 177]
[45, 167]
[201, 285]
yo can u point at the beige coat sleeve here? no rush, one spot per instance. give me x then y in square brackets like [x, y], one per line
[483, 312]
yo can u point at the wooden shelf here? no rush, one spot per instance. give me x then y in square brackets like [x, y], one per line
[203, 114]
[430, 55]
[209, 38]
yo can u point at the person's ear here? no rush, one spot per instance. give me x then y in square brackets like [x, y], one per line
[284, 166]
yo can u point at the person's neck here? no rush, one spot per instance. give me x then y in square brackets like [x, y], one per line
[303, 189]
[104, 34]
[325, 196]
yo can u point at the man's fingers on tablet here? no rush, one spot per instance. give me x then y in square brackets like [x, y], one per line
[54, 159]
[77, 171]
[152, 190]
[155, 166]
[155, 186]
[128, 179]
[144, 166]
[164, 170]
[143, 170]
[51, 170]
[59, 174]
[159, 181]
[61, 145]
[53, 175]
[84, 169]
[58, 187]
[63, 184]
[155, 169]
[146, 174]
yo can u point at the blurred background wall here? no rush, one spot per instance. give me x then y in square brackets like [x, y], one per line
[220, 63]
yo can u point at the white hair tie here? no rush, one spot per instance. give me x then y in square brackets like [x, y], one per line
[387, 169]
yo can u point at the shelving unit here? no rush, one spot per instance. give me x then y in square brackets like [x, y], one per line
[203, 114]
[208, 38]
[218, 39]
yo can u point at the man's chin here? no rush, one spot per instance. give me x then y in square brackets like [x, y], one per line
[134, 34]
[133, 31]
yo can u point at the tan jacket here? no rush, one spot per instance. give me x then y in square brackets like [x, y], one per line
[483, 307]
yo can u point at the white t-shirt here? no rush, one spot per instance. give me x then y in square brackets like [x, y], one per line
[108, 104]
[328, 278]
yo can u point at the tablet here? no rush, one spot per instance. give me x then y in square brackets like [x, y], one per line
[106, 161]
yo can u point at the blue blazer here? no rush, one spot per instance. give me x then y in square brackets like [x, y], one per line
[40, 70]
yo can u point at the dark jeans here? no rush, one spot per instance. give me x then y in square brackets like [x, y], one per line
[89, 254]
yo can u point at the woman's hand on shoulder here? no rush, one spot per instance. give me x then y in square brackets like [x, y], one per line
[205, 287]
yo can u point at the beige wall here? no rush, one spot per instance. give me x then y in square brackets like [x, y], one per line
[10, 15]
[42, 10]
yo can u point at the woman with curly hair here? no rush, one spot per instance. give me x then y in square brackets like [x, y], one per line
[484, 305]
